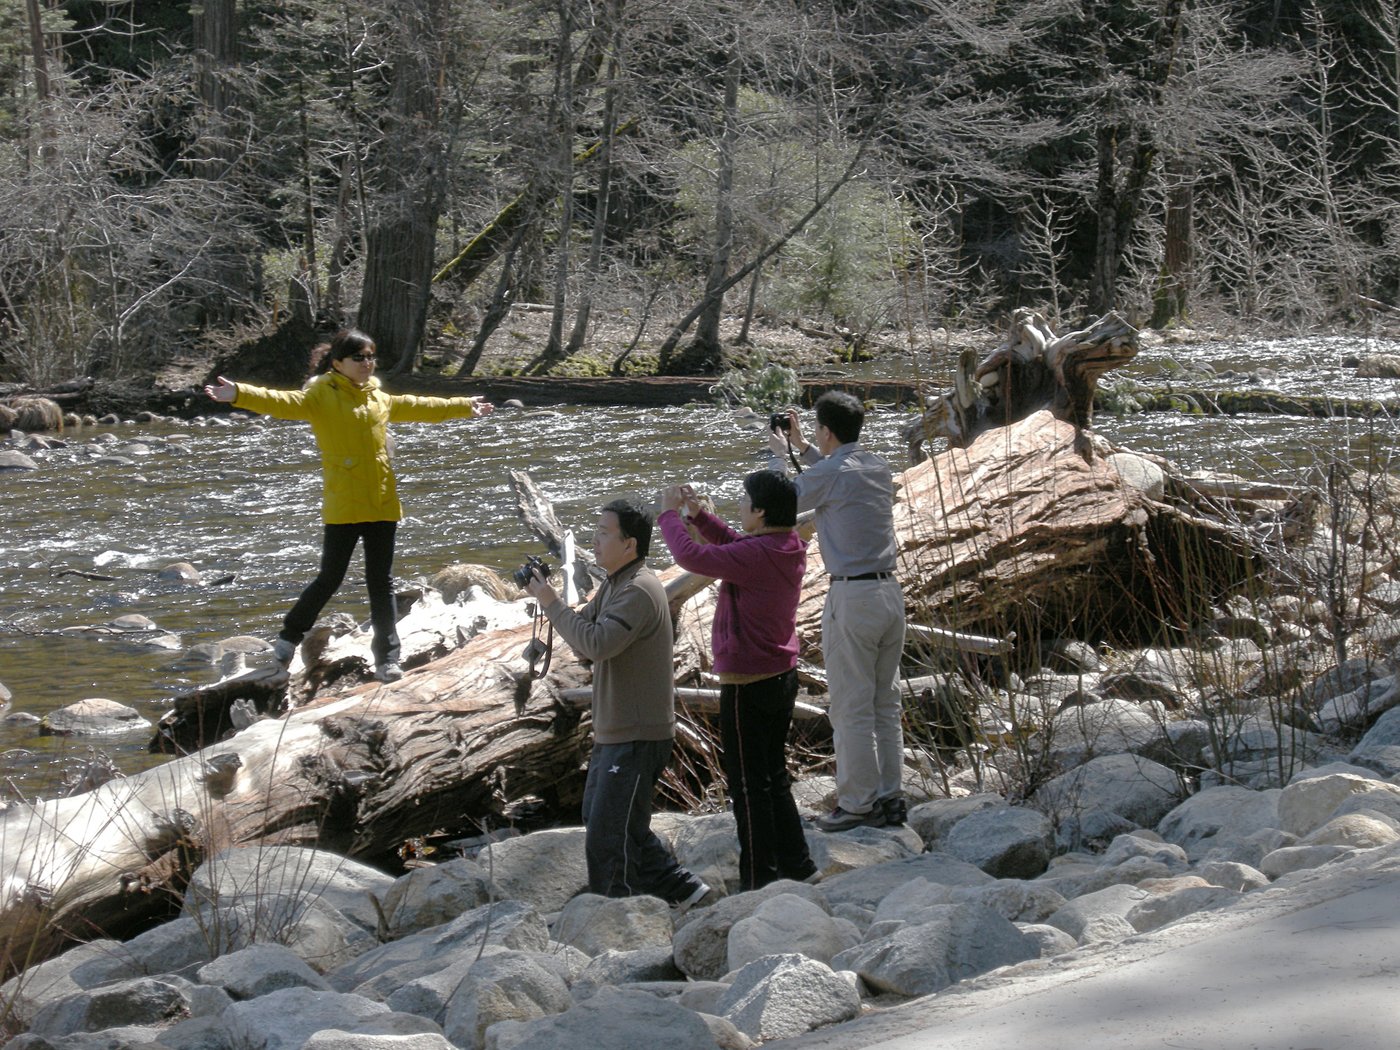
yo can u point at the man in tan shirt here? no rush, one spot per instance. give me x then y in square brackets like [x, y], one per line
[625, 631]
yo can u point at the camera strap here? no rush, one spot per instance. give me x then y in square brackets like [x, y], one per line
[537, 649]
[792, 453]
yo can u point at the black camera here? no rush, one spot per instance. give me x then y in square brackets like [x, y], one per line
[779, 421]
[526, 572]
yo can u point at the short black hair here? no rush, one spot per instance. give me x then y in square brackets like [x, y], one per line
[842, 414]
[634, 520]
[775, 494]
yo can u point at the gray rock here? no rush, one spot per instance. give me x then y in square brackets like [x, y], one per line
[507, 986]
[934, 819]
[701, 942]
[626, 967]
[708, 846]
[868, 886]
[82, 967]
[781, 996]
[1052, 940]
[1219, 816]
[431, 896]
[135, 1001]
[1092, 829]
[1298, 858]
[260, 969]
[614, 1019]
[13, 459]
[862, 848]
[333, 1039]
[1007, 843]
[1070, 656]
[1262, 738]
[319, 934]
[1357, 830]
[1384, 733]
[1117, 900]
[545, 868]
[1376, 803]
[1106, 929]
[596, 924]
[94, 716]
[197, 1033]
[957, 941]
[1125, 847]
[285, 1019]
[1117, 728]
[176, 945]
[506, 924]
[1012, 899]
[1351, 711]
[1135, 788]
[1308, 803]
[1381, 760]
[1160, 909]
[786, 925]
[254, 873]
[1232, 875]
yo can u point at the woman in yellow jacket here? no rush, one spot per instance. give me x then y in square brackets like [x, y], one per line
[348, 411]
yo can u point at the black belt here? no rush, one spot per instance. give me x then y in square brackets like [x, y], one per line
[865, 576]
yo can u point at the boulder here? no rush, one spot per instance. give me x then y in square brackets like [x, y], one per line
[1106, 728]
[136, 1001]
[1357, 830]
[94, 716]
[1052, 940]
[506, 986]
[1219, 816]
[862, 848]
[1139, 473]
[781, 996]
[545, 868]
[1232, 875]
[335, 1039]
[506, 924]
[285, 1019]
[181, 571]
[701, 942]
[1135, 788]
[1012, 899]
[955, 942]
[1299, 858]
[1160, 909]
[934, 819]
[866, 887]
[259, 969]
[1353, 710]
[81, 967]
[13, 459]
[1013, 842]
[597, 924]
[626, 967]
[707, 846]
[785, 925]
[1117, 901]
[431, 896]
[613, 1019]
[1308, 803]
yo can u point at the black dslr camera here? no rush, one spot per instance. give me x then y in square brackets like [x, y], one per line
[779, 421]
[526, 572]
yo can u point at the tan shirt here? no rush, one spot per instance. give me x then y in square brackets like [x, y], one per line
[625, 630]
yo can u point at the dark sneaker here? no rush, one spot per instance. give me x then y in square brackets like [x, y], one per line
[841, 820]
[388, 671]
[700, 897]
[283, 651]
[896, 810]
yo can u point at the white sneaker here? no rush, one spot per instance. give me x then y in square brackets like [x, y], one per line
[388, 671]
[283, 651]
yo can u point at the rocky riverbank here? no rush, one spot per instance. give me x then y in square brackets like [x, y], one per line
[280, 948]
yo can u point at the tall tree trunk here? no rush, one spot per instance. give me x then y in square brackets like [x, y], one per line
[564, 165]
[409, 183]
[707, 352]
[39, 54]
[1172, 300]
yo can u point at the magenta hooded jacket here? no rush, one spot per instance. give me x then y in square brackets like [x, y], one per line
[755, 625]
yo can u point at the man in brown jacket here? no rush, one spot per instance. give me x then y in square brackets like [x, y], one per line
[625, 631]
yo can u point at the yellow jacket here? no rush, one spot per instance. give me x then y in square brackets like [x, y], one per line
[349, 423]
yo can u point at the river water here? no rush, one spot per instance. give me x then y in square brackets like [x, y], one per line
[241, 501]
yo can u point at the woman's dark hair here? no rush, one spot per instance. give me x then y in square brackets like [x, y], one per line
[345, 343]
[634, 520]
[842, 414]
[773, 493]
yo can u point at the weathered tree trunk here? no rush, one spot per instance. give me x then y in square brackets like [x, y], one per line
[1032, 369]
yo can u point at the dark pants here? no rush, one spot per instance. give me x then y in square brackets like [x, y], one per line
[625, 858]
[753, 724]
[336, 548]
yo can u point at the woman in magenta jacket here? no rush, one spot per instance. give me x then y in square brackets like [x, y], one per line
[755, 647]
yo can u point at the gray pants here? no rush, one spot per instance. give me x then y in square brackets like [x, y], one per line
[625, 858]
[862, 640]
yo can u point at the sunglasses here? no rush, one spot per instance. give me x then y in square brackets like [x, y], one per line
[364, 359]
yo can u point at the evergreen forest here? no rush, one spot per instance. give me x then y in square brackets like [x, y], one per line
[179, 176]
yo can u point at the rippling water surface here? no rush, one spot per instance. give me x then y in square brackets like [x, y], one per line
[242, 501]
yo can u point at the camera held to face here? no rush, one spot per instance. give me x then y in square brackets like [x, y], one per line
[779, 421]
[526, 572]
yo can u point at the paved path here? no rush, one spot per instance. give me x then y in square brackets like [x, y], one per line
[1312, 963]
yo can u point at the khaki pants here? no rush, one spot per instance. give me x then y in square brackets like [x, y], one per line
[862, 640]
